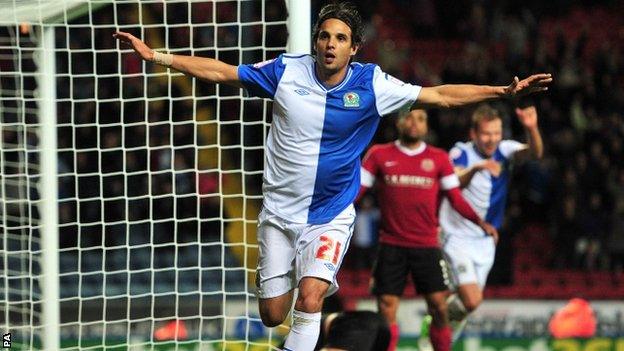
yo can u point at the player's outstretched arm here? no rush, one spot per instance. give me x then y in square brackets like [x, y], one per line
[207, 69]
[535, 145]
[456, 95]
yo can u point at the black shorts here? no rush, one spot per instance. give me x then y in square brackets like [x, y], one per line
[427, 266]
[358, 331]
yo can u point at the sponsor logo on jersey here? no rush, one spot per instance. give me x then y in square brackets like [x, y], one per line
[263, 63]
[427, 165]
[351, 99]
[408, 180]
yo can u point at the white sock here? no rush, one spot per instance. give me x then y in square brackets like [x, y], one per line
[304, 331]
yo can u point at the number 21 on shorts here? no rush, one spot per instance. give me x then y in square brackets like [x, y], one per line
[329, 249]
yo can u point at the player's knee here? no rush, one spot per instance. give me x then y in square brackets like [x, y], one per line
[273, 313]
[271, 318]
[311, 294]
[388, 306]
[439, 310]
[472, 303]
[310, 302]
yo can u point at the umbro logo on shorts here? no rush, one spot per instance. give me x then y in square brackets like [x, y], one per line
[330, 266]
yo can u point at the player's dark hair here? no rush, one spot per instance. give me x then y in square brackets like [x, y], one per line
[484, 112]
[347, 13]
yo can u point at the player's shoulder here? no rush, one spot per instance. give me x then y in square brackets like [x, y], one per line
[464, 146]
[296, 58]
[460, 150]
[362, 66]
[437, 154]
[361, 72]
[436, 151]
[382, 148]
[509, 143]
[508, 146]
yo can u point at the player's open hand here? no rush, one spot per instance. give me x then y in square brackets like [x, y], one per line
[532, 84]
[491, 166]
[136, 44]
[527, 116]
[489, 230]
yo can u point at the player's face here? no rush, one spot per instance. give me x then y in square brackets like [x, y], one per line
[333, 46]
[413, 127]
[487, 136]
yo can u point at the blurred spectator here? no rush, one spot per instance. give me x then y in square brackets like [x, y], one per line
[364, 239]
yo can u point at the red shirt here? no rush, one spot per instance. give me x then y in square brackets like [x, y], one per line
[409, 184]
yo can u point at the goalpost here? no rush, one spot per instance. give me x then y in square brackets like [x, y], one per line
[129, 192]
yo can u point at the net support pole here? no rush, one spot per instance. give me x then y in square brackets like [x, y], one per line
[50, 307]
[299, 31]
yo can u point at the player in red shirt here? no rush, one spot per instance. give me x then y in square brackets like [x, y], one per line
[410, 177]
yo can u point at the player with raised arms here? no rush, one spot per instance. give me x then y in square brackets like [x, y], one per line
[326, 109]
[482, 166]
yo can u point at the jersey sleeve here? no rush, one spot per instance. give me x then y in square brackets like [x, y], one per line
[261, 79]
[509, 147]
[369, 168]
[448, 178]
[459, 157]
[392, 94]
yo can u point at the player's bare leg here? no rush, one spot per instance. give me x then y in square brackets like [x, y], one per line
[306, 324]
[440, 331]
[461, 304]
[388, 305]
[470, 295]
[273, 311]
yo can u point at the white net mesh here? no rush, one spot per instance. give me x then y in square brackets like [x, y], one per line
[159, 177]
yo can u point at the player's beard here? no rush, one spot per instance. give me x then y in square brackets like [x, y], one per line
[408, 139]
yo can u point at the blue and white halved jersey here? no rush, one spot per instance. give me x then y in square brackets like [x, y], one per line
[312, 163]
[486, 194]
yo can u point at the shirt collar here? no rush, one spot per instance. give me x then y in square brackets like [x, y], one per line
[408, 151]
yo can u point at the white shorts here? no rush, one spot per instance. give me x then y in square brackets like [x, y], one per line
[470, 258]
[290, 251]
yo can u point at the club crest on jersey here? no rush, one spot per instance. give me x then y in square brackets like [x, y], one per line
[427, 165]
[351, 99]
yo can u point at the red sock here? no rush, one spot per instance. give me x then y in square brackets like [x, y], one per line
[440, 338]
[394, 337]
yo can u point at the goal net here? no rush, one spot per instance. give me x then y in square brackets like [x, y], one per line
[129, 192]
